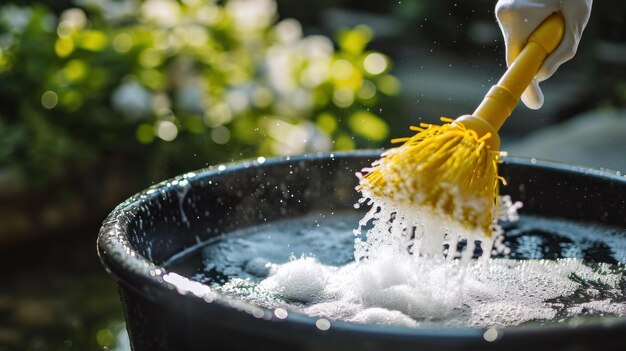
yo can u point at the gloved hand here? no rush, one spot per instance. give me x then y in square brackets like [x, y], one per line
[519, 18]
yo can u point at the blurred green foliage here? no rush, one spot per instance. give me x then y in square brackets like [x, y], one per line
[172, 82]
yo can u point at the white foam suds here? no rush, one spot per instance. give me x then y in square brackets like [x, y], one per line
[426, 291]
[389, 283]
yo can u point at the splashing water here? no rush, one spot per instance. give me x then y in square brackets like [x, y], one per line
[421, 232]
[310, 265]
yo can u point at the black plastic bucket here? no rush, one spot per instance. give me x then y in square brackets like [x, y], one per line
[165, 311]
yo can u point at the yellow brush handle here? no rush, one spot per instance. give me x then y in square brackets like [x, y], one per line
[503, 97]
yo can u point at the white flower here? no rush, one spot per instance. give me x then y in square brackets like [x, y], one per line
[251, 15]
[208, 14]
[288, 30]
[293, 139]
[317, 46]
[133, 100]
[164, 13]
[285, 60]
[279, 64]
[73, 18]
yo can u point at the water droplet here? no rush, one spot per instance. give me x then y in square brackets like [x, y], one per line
[281, 313]
[322, 324]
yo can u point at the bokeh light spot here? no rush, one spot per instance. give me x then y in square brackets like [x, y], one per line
[288, 30]
[217, 115]
[167, 130]
[150, 58]
[327, 122]
[343, 97]
[389, 85]
[64, 47]
[344, 142]
[220, 135]
[322, 324]
[76, 70]
[94, 40]
[122, 43]
[262, 97]
[72, 100]
[281, 313]
[152, 78]
[49, 99]
[64, 29]
[145, 133]
[490, 335]
[341, 69]
[105, 337]
[375, 63]
[355, 40]
[368, 125]
[367, 90]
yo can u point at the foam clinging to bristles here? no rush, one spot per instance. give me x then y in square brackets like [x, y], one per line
[447, 169]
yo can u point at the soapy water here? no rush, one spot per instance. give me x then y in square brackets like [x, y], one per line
[421, 232]
[554, 271]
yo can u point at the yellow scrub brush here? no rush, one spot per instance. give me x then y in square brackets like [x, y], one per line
[451, 170]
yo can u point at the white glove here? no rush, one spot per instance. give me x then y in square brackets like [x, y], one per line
[519, 18]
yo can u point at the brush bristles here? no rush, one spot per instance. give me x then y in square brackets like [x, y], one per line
[447, 168]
